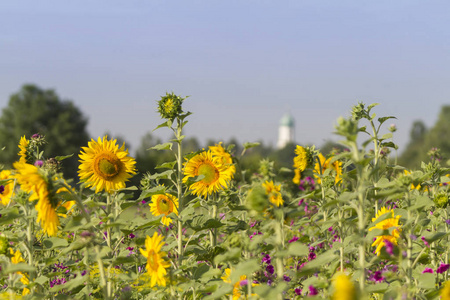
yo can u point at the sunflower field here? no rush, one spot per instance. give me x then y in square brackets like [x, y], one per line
[351, 225]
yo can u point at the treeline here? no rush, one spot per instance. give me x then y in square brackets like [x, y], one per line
[34, 110]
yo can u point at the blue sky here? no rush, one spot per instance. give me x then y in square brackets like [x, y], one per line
[244, 64]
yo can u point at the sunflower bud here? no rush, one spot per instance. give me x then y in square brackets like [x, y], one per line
[441, 200]
[169, 106]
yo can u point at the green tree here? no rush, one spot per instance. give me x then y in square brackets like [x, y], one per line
[415, 150]
[34, 110]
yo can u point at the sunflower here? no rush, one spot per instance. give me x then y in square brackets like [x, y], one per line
[344, 289]
[156, 265]
[236, 286]
[16, 257]
[8, 188]
[215, 174]
[105, 165]
[164, 204]
[274, 192]
[325, 164]
[219, 152]
[23, 145]
[445, 292]
[301, 160]
[32, 181]
[169, 106]
[383, 225]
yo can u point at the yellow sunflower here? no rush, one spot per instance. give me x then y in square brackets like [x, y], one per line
[16, 257]
[156, 265]
[386, 224]
[445, 292]
[219, 152]
[326, 164]
[23, 145]
[274, 192]
[32, 181]
[164, 204]
[301, 160]
[215, 174]
[105, 166]
[8, 188]
[344, 289]
[236, 286]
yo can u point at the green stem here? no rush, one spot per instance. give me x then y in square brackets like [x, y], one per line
[180, 193]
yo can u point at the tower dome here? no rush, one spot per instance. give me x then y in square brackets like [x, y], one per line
[285, 131]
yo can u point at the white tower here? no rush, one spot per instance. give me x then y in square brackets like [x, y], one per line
[285, 131]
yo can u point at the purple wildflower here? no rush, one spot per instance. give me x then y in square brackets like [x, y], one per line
[442, 268]
[266, 259]
[313, 291]
[286, 278]
[294, 239]
[428, 270]
[39, 163]
[425, 241]
[270, 269]
[2, 189]
[311, 256]
[298, 291]
[243, 282]
[389, 247]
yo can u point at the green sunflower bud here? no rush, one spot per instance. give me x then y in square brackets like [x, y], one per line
[441, 200]
[169, 106]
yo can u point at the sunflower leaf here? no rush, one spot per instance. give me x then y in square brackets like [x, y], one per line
[59, 158]
[165, 146]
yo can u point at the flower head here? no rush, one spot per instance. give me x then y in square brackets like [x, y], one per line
[227, 161]
[273, 191]
[344, 288]
[325, 164]
[23, 146]
[105, 166]
[389, 223]
[8, 188]
[445, 292]
[156, 265]
[215, 175]
[164, 204]
[236, 285]
[301, 159]
[169, 107]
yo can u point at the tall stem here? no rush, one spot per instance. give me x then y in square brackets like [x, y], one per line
[179, 191]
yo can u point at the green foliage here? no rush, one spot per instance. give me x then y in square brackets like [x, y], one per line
[34, 110]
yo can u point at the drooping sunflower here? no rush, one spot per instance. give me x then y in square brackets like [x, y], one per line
[301, 160]
[219, 152]
[33, 181]
[164, 204]
[216, 175]
[156, 265]
[16, 257]
[8, 188]
[23, 145]
[386, 224]
[344, 289]
[274, 192]
[105, 166]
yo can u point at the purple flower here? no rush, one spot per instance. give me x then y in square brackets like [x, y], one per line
[313, 291]
[131, 236]
[39, 163]
[389, 247]
[266, 259]
[295, 238]
[270, 269]
[298, 291]
[428, 270]
[311, 256]
[378, 277]
[286, 278]
[243, 282]
[425, 241]
[442, 268]
[83, 273]
[2, 189]
[447, 221]
[36, 136]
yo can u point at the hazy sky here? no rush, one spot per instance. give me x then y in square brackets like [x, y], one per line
[244, 64]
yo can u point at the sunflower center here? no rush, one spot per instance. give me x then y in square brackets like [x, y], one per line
[152, 260]
[209, 171]
[168, 105]
[107, 166]
[164, 206]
